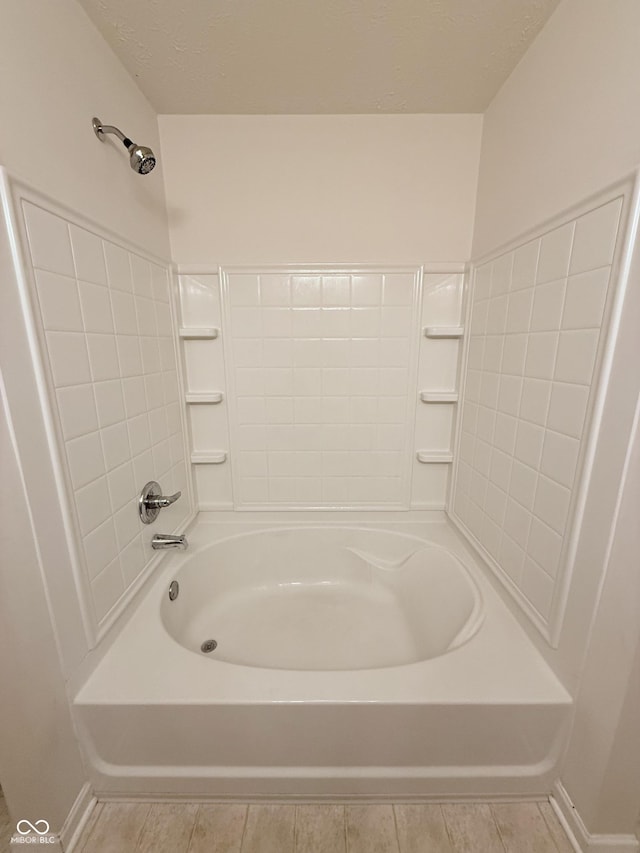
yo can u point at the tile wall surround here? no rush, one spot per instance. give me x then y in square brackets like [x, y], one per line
[103, 315]
[320, 372]
[538, 317]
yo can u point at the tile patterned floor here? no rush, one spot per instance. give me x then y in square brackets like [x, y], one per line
[276, 828]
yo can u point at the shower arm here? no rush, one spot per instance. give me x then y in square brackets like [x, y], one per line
[101, 129]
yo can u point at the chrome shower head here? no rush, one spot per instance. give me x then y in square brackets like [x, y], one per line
[141, 159]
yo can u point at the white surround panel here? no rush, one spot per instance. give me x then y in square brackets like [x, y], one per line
[320, 372]
[102, 313]
[538, 320]
[321, 368]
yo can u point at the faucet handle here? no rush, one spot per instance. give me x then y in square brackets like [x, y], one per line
[160, 501]
[151, 501]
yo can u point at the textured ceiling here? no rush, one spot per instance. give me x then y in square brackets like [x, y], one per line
[319, 56]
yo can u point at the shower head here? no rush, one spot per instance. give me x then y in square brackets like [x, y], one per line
[141, 159]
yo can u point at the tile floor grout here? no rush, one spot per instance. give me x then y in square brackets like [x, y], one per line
[497, 825]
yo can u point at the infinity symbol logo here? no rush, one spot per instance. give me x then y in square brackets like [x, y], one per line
[32, 827]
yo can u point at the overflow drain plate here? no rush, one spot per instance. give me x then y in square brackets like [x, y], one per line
[208, 646]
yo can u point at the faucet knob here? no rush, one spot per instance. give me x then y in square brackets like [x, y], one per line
[160, 501]
[151, 501]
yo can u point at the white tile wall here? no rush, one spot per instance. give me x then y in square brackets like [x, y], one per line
[105, 321]
[537, 322]
[321, 386]
[321, 371]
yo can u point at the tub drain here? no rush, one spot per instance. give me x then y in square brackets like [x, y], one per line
[208, 646]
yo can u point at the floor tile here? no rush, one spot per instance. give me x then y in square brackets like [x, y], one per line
[555, 828]
[118, 829]
[218, 829]
[522, 828]
[472, 828]
[371, 829]
[320, 829]
[269, 829]
[421, 829]
[168, 828]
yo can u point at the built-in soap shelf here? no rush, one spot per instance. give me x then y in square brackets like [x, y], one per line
[211, 457]
[439, 396]
[434, 456]
[198, 334]
[443, 331]
[214, 397]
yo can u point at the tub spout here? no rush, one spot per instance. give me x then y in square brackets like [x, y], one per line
[164, 541]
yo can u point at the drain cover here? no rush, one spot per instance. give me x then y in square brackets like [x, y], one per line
[208, 646]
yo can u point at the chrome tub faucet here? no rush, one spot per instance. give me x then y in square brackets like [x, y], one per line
[168, 541]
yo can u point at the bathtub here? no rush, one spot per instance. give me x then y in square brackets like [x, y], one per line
[305, 660]
[308, 598]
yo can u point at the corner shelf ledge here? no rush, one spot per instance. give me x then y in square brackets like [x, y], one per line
[434, 456]
[439, 396]
[216, 457]
[198, 333]
[443, 331]
[213, 397]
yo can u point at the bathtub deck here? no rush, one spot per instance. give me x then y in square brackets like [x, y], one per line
[191, 828]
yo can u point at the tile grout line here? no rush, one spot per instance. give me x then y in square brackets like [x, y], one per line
[497, 826]
[244, 828]
[193, 828]
[395, 824]
[140, 837]
[446, 828]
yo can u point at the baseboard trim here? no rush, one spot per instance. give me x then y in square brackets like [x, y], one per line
[581, 839]
[327, 799]
[77, 818]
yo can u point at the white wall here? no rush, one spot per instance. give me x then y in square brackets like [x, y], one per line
[56, 73]
[603, 757]
[565, 123]
[562, 127]
[320, 189]
[40, 766]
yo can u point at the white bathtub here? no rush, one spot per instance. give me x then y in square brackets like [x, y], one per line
[305, 598]
[363, 660]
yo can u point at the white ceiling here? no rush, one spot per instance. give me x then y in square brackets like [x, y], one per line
[319, 56]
